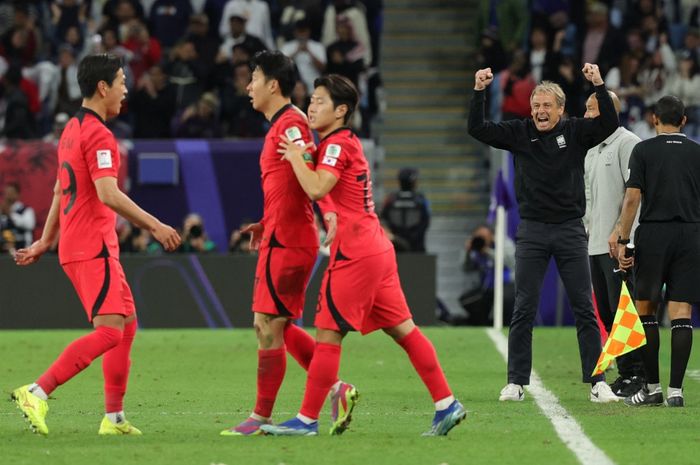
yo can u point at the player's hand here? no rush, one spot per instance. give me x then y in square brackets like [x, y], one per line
[612, 244]
[256, 232]
[290, 150]
[625, 262]
[331, 220]
[167, 236]
[31, 254]
[482, 78]
[592, 73]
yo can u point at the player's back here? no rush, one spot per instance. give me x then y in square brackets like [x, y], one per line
[287, 211]
[87, 151]
[359, 232]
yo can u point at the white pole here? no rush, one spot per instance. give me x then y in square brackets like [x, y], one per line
[498, 268]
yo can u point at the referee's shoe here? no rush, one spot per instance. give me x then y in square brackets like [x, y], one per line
[644, 397]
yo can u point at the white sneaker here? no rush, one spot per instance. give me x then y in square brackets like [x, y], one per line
[512, 392]
[602, 394]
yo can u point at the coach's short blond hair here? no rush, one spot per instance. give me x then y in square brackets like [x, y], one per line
[551, 88]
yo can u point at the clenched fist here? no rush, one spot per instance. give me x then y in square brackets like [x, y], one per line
[482, 78]
[592, 73]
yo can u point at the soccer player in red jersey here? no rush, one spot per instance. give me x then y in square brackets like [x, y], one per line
[287, 243]
[85, 200]
[361, 289]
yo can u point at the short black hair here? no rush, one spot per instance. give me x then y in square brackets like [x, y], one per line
[276, 65]
[95, 68]
[342, 92]
[408, 177]
[670, 110]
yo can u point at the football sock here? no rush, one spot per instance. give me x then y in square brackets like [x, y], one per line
[37, 391]
[442, 404]
[424, 359]
[272, 364]
[323, 372]
[650, 351]
[681, 343]
[300, 344]
[78, 356]
[115, 369]
[116, 417]
[304, 419]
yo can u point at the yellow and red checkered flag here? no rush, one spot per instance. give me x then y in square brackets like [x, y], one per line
[627, 332]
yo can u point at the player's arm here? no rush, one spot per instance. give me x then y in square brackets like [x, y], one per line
[316, 184]
[110, 195]
[31, 254]
[596, 130]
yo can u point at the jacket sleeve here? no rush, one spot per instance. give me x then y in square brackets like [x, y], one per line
[500, 135]
[592, 131]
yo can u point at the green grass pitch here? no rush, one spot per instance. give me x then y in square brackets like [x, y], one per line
[187, 385]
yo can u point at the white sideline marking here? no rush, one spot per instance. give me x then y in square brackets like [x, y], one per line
[568, 430]
[694, 374]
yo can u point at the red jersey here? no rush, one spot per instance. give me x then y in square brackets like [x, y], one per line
[287, 211]
[87, 151]
[359, 232]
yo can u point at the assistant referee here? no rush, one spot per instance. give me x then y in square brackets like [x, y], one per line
[665, 177]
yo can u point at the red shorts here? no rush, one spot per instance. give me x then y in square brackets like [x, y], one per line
[281, 277]
[101, 286]
[362, 295]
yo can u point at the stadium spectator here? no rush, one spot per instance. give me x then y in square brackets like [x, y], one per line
[658, 67]
[644, 128]
[184, 74]
[200, 120]
[117, 14]
[355, 12]
[168, 20]
[293, 11]
[300, 96]
[257, 15]
[367, 261]
[153, 105]
[344, 56]
[667, 250]
[508, 17]
[205, 43]
[407, 211]
[21, 44]
[239, 242]
[238, 36]
[65, 86]
[308, 55]
[194, 236]
[237, 114]
[68, 19]
[624, 81]
[606, 169]
[145, 49]
[59, 124]
[549, 153]
[685, 84]
[518, 84]
[19, 120]
[600, 40]
[86, 198]
[17, 218]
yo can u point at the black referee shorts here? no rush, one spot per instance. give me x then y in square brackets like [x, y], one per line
[667, 253]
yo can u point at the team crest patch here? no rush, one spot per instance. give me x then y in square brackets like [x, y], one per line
[333, 151]
[330, 161]
[104, 159]
[293, 133]
[561, 141]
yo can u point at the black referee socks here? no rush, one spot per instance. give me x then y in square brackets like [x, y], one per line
[681, 343]
[650, 351]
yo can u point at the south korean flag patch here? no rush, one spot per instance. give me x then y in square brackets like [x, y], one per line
[330, 158]
[104, 159]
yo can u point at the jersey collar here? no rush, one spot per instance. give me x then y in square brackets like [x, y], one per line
[87, 110]
[335, 131]
[280, 112]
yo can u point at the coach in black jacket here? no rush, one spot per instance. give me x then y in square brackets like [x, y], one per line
[549, 152]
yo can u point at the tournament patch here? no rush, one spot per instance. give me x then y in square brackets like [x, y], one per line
[333, 151]
[293, 133]
[104, 159]
[330, 161]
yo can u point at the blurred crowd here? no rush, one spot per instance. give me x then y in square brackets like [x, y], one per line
[645, 49]
[186, 61]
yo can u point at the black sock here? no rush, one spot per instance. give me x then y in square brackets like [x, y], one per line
[650, 351]
[681, 343]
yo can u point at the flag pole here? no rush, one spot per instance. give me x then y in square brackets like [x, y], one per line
[498, 268]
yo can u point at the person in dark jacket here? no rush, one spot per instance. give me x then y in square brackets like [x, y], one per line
[549, 153]
[407, 212]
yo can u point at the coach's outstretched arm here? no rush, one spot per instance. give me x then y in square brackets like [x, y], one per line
[596, 130]
[500, 135]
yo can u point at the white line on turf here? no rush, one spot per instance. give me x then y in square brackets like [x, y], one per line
[568, 430]
[694, 374]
